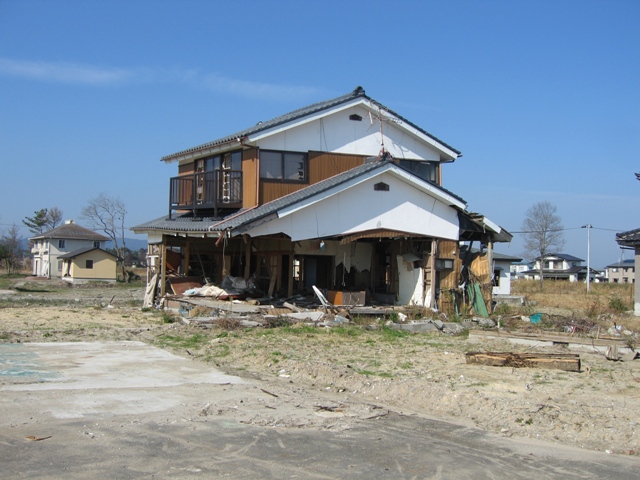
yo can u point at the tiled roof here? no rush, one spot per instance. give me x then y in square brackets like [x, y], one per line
[627, 263]
[508, 258]
[300, 113]
[189, 223]
[71, 231]
[564, 256]
[630, 238]
[77, 253]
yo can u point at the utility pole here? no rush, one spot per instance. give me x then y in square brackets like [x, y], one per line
[588, 227]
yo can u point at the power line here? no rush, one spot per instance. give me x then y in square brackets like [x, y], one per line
[571, 228]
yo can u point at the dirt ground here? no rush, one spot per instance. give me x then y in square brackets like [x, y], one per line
[369, 372]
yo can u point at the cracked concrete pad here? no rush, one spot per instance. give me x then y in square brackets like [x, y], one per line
[105, 378]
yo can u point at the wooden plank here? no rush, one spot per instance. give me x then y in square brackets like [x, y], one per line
[563, 361]
[179, 285]
[556, 337]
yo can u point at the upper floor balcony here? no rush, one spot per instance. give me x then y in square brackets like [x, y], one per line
[206, 190]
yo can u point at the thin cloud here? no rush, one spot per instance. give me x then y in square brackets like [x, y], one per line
[64, 72]
[255, 89]
[82, 74]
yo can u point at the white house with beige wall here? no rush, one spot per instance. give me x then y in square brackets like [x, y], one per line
[89, 265]
[49, 246]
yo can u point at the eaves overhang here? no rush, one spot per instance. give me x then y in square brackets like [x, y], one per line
[306, 114]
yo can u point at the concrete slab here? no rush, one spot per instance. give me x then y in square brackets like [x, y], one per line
[131, 411]
[104, 378]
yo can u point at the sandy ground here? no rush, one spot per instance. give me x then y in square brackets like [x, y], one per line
[364, 373]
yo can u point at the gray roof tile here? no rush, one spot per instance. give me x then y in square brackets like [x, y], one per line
[189, 223]
[300, 113]
[77, 253]
[71, 231]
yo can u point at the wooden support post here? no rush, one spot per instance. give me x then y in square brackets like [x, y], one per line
[163, 267]
[490, 260]
[247, 255]
[186, 253]
[290, 279]
[432, 261]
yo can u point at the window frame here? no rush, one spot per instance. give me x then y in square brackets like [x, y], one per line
[414, 165]
[62, 243]
[88, 264]
[283, 154]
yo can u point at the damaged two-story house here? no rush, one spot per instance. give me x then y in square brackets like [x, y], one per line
[345, 195]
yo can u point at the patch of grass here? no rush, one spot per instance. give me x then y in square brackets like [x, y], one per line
[301, 329]
[617, 305]
[348, 331]
[389, 334]
[503, 309]
[219, 350]
[176, 341]
[168, 317]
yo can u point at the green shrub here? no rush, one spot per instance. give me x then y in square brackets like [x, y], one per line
[617, 305]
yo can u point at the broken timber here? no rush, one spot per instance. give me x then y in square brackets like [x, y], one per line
[569, 362]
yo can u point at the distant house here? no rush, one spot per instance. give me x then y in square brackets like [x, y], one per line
[518, 268]
[559, 266]
[89, 264]
[48, 247]
[622, 271]
[631, 240]
[502, 273]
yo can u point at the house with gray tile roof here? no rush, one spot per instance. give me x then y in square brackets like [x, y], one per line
[344, 194]
[622, 271]
[560, 266]
[49, 247]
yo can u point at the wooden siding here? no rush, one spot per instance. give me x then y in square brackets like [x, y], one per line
[321, 165]
[324, 165]
[449, 279]
[186, 168]
[250, 173]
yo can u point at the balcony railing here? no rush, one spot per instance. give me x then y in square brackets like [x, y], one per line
[207, 190]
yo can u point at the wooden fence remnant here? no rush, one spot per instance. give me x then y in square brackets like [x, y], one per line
[569, 362]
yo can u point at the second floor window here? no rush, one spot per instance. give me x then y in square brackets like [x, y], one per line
[96, 244]
[424, 170]
[60, 243]
[284, 166]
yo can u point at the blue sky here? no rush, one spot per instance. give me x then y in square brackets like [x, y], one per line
[541, 97]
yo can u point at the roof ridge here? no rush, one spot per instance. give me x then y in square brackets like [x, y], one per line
[358, 92]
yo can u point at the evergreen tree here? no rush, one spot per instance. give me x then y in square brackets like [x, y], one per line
[38, 223]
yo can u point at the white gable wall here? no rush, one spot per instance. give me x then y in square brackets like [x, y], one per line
[504, 283]
[336, 133]
[361, 208]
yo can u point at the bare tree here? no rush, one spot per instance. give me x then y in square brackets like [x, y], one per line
[542, 228]
[53, 218]
[10, 250]
[106, 213]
